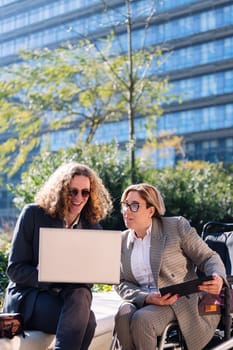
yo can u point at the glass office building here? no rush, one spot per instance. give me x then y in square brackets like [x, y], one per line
[198, 35]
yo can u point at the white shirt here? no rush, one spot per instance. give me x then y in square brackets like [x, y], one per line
[140, 261]
[74, 224]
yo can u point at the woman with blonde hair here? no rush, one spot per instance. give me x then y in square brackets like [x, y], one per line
[73, 197]
[159, 251]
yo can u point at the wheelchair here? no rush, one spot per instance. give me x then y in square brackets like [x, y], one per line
[219, 237]
[171, 337]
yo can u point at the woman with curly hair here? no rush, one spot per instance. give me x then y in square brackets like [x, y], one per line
[73, 197]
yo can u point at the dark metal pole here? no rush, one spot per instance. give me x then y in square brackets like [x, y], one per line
[131, 94]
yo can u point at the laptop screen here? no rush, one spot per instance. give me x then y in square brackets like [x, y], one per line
[79, 256]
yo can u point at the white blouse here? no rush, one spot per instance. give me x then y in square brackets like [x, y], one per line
[140, 261]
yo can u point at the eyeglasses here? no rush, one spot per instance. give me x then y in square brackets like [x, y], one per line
[134, 206]
[74, 191]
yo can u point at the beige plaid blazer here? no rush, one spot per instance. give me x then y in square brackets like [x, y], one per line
[176, 250]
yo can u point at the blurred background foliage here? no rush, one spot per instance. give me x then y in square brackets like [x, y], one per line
[200, 191]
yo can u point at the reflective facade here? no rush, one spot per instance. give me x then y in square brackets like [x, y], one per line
[197, 35]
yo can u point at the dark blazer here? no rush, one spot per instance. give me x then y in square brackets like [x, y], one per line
[22, 270]
[176, 249]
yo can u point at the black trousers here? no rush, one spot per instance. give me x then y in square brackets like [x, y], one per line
[68, 315]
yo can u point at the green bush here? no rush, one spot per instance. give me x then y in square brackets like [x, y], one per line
[3, 276]
[200, 191]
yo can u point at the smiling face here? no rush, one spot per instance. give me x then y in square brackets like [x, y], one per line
[79, 194]
[141, 219]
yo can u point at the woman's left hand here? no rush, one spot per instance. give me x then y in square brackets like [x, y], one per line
[157, 299]
[213, 286]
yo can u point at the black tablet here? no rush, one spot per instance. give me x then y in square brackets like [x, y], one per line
[185, 288]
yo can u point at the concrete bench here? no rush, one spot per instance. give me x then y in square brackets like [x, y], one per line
[105, 305]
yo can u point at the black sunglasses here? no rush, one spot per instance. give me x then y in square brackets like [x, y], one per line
[74, 191]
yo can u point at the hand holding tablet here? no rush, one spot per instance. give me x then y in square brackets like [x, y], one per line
[185, 288]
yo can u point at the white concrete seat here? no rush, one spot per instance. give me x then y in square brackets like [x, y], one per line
[105, 305]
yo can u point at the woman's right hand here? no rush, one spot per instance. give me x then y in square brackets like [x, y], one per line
[157, 299]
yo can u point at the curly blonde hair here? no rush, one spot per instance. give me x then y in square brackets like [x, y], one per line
[150, 194]
[53, 195]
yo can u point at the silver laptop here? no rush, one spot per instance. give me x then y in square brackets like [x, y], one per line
[79, 256]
